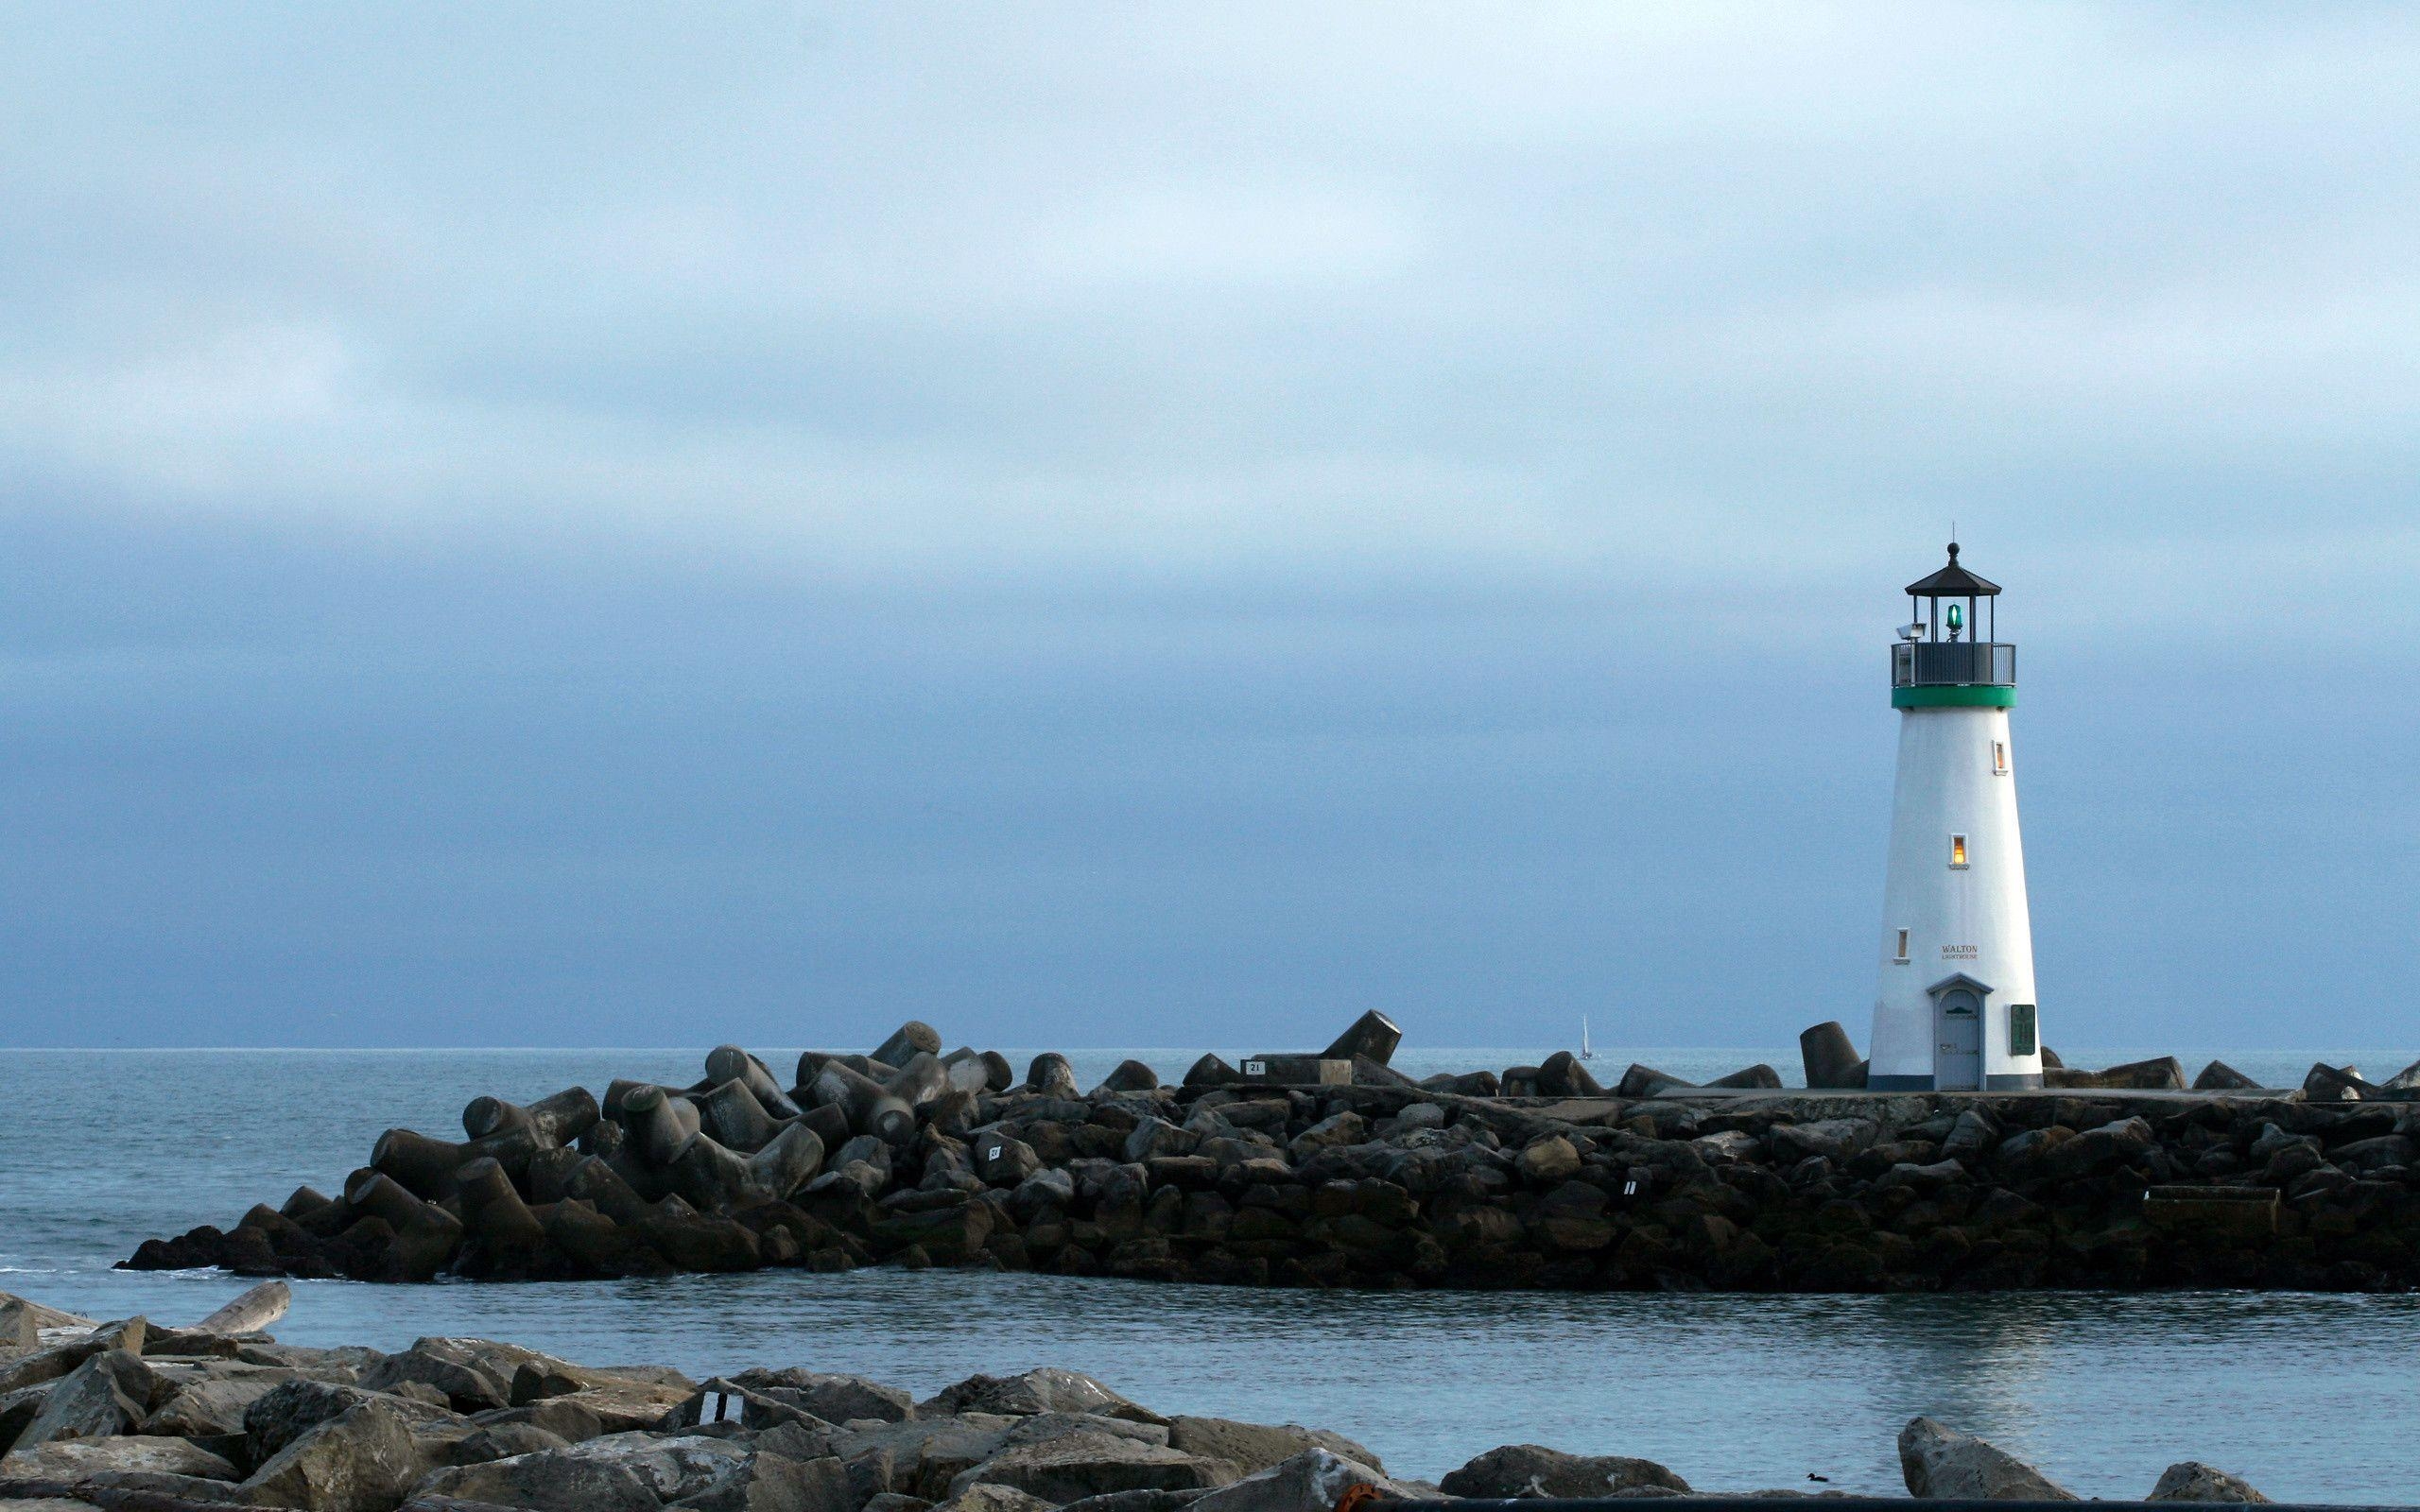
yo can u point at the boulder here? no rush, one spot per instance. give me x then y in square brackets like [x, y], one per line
[1043, 1391]
[1347, 1127]
[475, 1374]
[2192, 1481]
[60, 1358]
[362, 1460]
[1076, 1465]
[2217, 1077]
[1831, 1058]
[504, 1440]
[546, 1483]
[75, 1459]
[1255, 1446]
[1835, 1138]
[1529, 1470]
[1549, 1161]
[1003, 1161]
[833, 1397]
[920, 1456]
[988, 1497]
[1312, 1481]
[1938, 1461]
[251, 1312]
[19, 1332]
[104, 1397]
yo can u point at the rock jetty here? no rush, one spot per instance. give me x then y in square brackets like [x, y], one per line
[127, 1417]
[1334, 1170]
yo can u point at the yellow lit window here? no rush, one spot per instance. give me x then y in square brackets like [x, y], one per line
[1999, 758]
[1957, 850]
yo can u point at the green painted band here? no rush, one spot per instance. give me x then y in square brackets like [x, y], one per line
[1980, 696]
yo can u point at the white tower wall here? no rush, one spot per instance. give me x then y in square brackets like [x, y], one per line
[1956, 776]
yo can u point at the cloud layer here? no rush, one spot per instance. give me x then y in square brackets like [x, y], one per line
[540, 524]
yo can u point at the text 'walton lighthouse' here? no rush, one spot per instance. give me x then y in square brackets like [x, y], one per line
[1957, 1009]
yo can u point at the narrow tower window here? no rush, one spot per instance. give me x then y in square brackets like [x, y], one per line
[1902, 956]
[1999, 758]
[1958, 852]
[2020, 1028]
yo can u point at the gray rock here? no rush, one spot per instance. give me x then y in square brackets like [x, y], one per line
[1068, 1467]
[74, 1459]
[475, 1374]
[2217, 1077]
[901, 1501]
[1312, 1481]
[923, 1455]
[19, 1332]
[1939, 1461]
[1255, 1446]
[2192, 1481]
[1974, 1134]
[1135, 1502]
[1043, 1391]
[836, 1399]
[504, 1440]
[58, 1360]
[1347, 1127]
[988, 1497]
[1549, 1161]
[18, 1408]
[1044, 1426]
[1835, 1138]
[251, 1311]
[362, 1460]
[1529, 1470]
[547, 1483]
[213, 1406]
[104, 1397]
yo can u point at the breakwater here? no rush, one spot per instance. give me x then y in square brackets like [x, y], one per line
[911, 1157]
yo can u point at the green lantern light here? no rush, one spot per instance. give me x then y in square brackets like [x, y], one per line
[1957, 619]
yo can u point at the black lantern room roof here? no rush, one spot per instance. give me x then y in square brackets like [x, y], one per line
[1953, 581]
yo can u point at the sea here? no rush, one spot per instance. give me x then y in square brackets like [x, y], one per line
[2306, 1396]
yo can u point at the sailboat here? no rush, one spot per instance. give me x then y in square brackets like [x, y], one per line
[1586, 1053]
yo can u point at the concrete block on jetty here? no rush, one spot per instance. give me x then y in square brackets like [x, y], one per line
[128, 1418]
[1332, 1169]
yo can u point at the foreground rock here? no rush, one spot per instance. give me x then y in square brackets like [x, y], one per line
[1943, 1462]
[459, 1424]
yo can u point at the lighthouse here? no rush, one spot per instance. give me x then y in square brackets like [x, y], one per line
[1956, 1010]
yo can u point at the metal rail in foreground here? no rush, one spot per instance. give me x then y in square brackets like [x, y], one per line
[1361, 1498]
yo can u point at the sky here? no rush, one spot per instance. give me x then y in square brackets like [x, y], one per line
[1172, 526]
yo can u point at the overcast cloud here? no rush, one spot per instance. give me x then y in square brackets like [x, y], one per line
[1156, 524]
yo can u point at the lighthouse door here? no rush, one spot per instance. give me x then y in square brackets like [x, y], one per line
[1957, 1043]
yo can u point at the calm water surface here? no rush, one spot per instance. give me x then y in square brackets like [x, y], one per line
[2307, 1396]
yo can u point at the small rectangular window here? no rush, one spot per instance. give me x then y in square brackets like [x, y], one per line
[1902, 956]
[1958, 851]
[2020, 1028]
[1999, 758]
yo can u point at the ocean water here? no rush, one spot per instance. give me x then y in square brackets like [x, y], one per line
[2304, 1395]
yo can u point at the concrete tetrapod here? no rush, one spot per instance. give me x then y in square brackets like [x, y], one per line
[557, 1120]
[732, 1063]
[872, 1109]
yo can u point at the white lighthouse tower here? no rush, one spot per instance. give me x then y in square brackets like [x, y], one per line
[1957, 1009]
